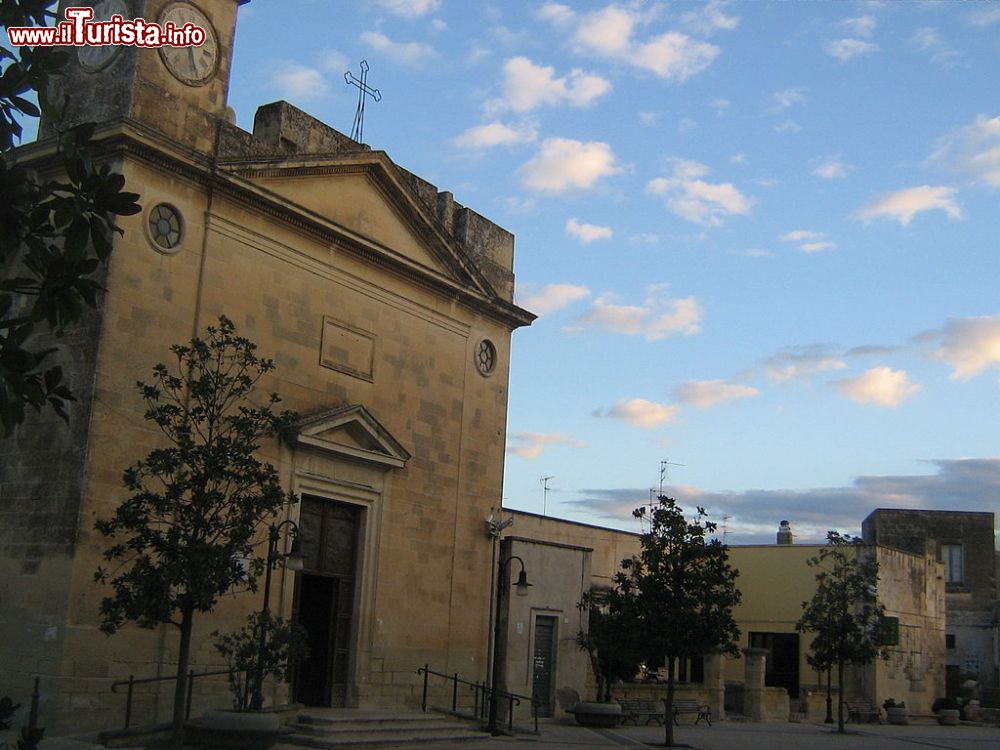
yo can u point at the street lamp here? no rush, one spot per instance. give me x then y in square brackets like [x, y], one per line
[293, 562]
[499, 655]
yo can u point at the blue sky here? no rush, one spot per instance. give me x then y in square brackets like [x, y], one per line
[762, 238]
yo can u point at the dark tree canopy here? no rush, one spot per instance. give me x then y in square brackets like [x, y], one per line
[189, 532]
[675, 599]
[844, 614]
[54, 233]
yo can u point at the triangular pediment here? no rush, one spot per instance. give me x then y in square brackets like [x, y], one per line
[365, 195]
[351, 431]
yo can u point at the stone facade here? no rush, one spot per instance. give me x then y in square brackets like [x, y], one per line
[387, 307]
[965, 542]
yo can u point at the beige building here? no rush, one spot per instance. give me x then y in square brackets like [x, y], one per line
[775, 581]
[388, 310]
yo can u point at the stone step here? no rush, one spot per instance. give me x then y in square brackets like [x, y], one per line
[358, 729]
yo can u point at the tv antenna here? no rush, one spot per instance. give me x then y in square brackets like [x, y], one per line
[545, 490]
[358, 131]
[725, 528]
[664, 464]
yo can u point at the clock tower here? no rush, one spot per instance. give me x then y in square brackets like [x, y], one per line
[180, 92]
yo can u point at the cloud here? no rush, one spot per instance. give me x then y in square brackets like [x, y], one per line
[986, 16]
[808, 241]
[800, 362]
[928, 40]
[879, 386]
[410, 8]
[552, 297]
[610, 32]
[706, 393]
[531, 445]
[709, 18]
[299, 82]
[482, 137]
[788, 98]
[588, 233]
[973, 150]
[968, 484]
[656, 318]
[563, 164]
[859, 26]
[527, 86]
[845, 49]
[969, 345]
[831, 168]
[691, 198]
[904, 204]
[556, 13]
[407, 53]
[639, 412]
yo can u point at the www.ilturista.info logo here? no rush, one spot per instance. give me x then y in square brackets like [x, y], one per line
[78, 31]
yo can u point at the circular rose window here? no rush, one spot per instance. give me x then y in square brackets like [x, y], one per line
[486, 357]
[165, 227]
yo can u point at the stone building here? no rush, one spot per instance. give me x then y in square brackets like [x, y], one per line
[388, 309]
[773, 676]
[965, 543]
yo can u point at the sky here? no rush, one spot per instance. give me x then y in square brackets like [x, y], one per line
[762, 238]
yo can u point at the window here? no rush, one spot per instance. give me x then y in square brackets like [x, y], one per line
[949, 640]
[952, 555]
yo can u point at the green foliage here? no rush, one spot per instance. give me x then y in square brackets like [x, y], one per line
[676, 598]
[54, 234]
[286, 644]
[29, 736]
[613, 654]
[7, 710]
[198, 503]
[844, 613]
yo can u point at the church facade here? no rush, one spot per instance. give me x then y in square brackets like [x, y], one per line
[388, 310]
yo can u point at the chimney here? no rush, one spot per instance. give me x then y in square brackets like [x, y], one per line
[784, 533]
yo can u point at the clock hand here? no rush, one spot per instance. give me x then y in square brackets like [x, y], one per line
[194, 65]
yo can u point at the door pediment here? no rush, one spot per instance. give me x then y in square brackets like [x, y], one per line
[351, 431]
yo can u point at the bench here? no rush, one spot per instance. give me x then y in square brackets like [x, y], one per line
[686, 706]
[634, 709]
[862, 711]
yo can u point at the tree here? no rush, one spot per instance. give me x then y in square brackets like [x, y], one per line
[54, 235]
[197, 505]
[614, 655]
[844, 613]
[676, 598]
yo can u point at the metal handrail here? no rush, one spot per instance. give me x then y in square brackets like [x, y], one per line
[132, 682]
[480, 688]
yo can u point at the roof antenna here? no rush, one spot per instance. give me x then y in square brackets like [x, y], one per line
[545, 490]
[358, 131]
[663, 472]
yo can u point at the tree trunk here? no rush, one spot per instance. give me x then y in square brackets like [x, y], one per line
[668, 705]
[180, 688]
[840, 696]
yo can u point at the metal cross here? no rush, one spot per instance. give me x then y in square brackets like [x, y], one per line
[357, 132]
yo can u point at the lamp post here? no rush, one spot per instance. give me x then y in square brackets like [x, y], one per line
[829, 697]
[293, 561]
[500, 654]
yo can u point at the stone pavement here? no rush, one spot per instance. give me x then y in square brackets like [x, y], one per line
[559, 734]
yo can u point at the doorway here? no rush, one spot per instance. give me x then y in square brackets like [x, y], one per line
[324, 604]
[543, 662]
[781, 668]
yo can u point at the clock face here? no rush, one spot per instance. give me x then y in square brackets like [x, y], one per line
[93, 59]
[192, 65]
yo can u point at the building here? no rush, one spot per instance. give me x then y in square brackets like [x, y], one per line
[387, 307]
[965, 543]
[775, 581]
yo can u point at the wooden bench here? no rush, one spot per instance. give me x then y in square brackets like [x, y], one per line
[634, 709]
[862, 711]
[686, 706]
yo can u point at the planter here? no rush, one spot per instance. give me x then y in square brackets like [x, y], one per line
[898, 715]
[233, 729]
[947, 717]
[591, 714]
